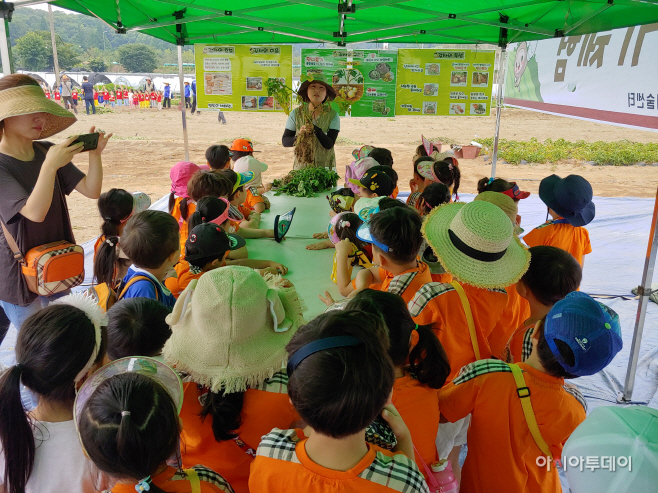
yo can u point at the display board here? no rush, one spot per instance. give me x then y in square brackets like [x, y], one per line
[364, 78]
[607, 77]
[234, 77]
[444, 82]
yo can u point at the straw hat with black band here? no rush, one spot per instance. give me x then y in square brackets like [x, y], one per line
[30, 99]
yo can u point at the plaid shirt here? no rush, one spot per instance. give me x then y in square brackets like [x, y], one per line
[396, 472]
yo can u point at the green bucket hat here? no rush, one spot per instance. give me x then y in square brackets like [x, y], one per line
[475, 242]
[310, 78]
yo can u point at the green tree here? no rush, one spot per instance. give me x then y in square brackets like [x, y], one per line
[67, 54]
[97, 65]
[31, 52]
[138, 58]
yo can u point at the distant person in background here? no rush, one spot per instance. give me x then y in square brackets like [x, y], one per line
[187, 94]
[126, 96]
[149, 87]
[67, 93]
[221, 118]
[88, 90]
[167, 95]
[74, 95]
[193, 86]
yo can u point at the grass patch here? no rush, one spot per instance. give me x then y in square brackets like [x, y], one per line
[619, 153]
[134, 137]
[344, 141]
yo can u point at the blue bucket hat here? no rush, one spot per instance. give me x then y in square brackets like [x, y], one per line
[589, 328]
[570, 197]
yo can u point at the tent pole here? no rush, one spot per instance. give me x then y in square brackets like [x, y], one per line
[52, 39]
[182, 101]
[644, 290]
[502, 65]
[6, 11]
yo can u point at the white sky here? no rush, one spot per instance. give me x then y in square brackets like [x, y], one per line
[44, 6]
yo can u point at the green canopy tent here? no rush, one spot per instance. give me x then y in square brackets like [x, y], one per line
[499, 22]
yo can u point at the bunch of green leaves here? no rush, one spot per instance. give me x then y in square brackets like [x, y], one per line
[306, 182]
[281, 93]
[619, 153]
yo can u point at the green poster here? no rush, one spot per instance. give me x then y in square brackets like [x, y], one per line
[364, 78]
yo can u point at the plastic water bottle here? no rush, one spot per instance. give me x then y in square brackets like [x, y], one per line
[442, 471]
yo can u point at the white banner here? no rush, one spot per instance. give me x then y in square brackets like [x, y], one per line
[611, 76]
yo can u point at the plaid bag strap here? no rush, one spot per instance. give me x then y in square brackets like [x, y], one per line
[524, 394]
[194, 480]
[469, 318]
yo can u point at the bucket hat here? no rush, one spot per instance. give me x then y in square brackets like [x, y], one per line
[250, 163]
[570, 197]
[626, 440]
[505, 203]
[591, 329]
[230, 328]
[180, 174]
[475, 242]
[27, 100]
[315, 78]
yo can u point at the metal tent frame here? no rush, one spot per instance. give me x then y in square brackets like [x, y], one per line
[185, 22]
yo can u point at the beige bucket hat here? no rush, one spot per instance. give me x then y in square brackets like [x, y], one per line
[27, 100]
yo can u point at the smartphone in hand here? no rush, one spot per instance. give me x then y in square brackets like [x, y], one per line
[90, 141]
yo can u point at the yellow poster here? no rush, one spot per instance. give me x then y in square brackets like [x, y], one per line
[234, 77]
[444, 82]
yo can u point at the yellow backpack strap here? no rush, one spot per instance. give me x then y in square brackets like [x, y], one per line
[524, 394]
[194, 480]
[133, 281]
[469, 317]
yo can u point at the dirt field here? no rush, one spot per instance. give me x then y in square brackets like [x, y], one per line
[147, 143]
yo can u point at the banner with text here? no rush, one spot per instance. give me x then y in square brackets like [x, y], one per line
[234, 77]
[608, 76]
[364, 78]
[444, 82]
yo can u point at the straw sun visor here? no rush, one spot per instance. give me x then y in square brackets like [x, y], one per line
[476, 244]
[27, 100]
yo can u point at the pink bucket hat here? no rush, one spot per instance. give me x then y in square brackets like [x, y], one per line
[180, 174]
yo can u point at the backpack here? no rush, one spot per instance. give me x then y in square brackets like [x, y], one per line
[107, 296]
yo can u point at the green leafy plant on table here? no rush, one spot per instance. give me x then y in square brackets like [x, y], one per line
[306, 182]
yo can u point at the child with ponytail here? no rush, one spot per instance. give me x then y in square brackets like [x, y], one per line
[180, 204]
[427, 171]
[213, 249]
[350, 250]
[434, 195]
[58, 347]
[115, 207]
[421, 368]
[127, 417]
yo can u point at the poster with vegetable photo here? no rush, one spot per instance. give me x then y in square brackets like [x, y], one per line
[364, 80]
[435, 82]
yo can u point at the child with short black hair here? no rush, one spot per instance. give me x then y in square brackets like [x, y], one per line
[569, 203]
[152, 242]
[57, 348]
[219, 157]
[553, 273]
[382, 155]
[127, 417]
[347, 352]
[395, 235]
[578, 337]
[421, 368]
[137, 327]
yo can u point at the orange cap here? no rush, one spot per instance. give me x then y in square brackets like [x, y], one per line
[243, 145]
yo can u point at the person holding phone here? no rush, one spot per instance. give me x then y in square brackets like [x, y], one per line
[36, 177]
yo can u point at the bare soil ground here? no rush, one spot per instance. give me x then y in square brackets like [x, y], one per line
[148, 142]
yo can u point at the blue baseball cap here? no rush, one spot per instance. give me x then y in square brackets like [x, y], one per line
[589, 328]
[570, 197]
